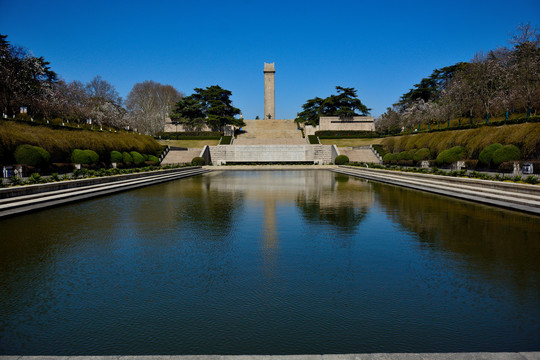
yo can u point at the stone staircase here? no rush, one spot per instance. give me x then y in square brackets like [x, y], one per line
[180, 156]
[270, 132]
[363, 154]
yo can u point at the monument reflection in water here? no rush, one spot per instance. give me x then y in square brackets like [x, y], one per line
[269, 262]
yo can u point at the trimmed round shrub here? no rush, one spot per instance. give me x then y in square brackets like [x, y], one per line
[79, 156]
[486, 156]
[137, 157]
[452, 155]
[405, 155]
[94, 157]
[505, 154]
[31, 155]
[422, 154]
[116, 156]
[389, 157]
[145, 157]
[341, 160]
[153, 158]
[198, 161]
[126, 158]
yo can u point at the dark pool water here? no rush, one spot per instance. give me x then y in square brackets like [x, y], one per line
[269, 262]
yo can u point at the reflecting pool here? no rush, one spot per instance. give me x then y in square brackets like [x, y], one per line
[269, 262]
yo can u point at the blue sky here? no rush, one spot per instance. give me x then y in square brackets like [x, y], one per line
[381, 48]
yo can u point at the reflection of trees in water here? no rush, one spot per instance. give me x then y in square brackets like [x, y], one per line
[490, 238]
[343, 205]
[345, 217]
[212, 210]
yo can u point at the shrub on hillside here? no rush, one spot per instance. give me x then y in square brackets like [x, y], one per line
[341, 160]
[387, 158]
[116, 156]
[405, 155]
[198, 161]
[153, 158]
[126, 158]
[506, 153]
[422, 154]
[486, 156]
[137, 158]
[79, 156]
[452, 155]
[31, 155]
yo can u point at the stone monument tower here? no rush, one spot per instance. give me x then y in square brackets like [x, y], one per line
[269, 92]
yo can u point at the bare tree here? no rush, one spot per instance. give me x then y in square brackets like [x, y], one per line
[104, 102]
[526, 48]
[149, 104]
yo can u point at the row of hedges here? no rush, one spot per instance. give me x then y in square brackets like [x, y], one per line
[525, 136]
[327, 134]
[492, 156]
[190, 135]
[60, 143]
[38, 157]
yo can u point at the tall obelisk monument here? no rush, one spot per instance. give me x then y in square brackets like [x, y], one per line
[269, 92]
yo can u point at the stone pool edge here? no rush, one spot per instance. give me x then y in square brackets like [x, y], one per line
[62, 193]
[372, 356]
[513, 196]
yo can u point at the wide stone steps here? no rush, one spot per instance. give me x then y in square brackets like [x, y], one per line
[181, 156]
[270, 132]
[522, 197]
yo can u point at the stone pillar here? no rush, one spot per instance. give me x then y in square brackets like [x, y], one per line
[269, 92]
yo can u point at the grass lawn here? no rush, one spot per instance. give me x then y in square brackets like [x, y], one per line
[189, 143]
[351, 142]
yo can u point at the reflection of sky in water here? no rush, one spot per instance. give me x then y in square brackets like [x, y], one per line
[269, 262]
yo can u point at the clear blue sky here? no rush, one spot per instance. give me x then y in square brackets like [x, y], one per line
[381, 48]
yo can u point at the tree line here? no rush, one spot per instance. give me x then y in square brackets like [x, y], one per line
[28, 82]
[503, 81]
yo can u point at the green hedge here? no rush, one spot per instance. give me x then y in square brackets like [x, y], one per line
[31, 155]
[153, 158]
[452, 155]
[190, 135]
[126, 158]
[422, 154]
[313, 139]
[79, 156]
[341, 160]
[226, 140]
[137, 157]
[389, 157]
[486, 155]
[198, 161]
[506, 153]
[116, 156]
[325, 134]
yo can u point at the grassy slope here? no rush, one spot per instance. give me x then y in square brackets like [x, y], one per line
[525, 136]
[60, 143]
